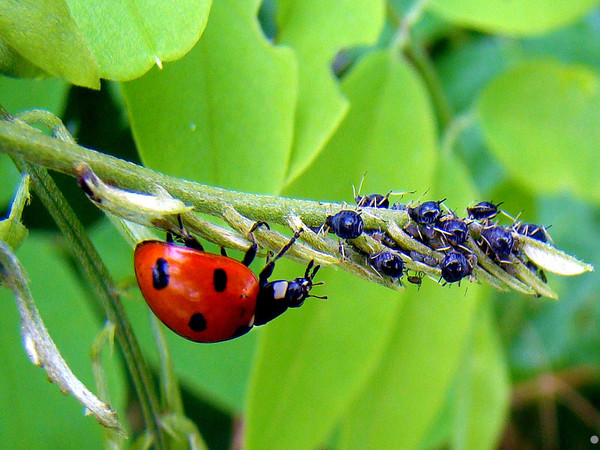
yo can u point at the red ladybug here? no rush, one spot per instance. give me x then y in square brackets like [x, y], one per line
[212, 298]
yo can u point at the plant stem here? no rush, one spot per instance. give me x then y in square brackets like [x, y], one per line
[425, 67]
[21, 141]
[98, 275]
[403, 43]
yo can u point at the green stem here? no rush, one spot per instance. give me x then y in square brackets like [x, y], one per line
[425, 67]
[98, 275]
[402, 43]
[454, 130]
[21, 141]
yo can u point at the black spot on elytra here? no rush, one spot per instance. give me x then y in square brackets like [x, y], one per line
[220, 280]
[197, 322]
[160, 274]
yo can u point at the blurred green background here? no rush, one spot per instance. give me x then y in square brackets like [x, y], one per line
[490, 100]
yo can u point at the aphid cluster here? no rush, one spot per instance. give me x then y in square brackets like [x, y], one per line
[442, 231]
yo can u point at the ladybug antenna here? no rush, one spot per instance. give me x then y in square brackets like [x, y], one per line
[321, 297]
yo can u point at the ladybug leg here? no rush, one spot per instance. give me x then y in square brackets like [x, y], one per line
[223, 252]
[251, 252]
[266, 272]
[192, 242]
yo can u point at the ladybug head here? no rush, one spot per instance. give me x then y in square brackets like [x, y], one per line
[299, 289]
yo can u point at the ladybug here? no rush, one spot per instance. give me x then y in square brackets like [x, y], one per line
[346, 224]
[483, 211]
[212, 298]
[426, 213]
[455, 266]
[500, 240]
[388, 263]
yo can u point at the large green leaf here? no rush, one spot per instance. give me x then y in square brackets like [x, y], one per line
[82, 41]
[312, 362]
[129, 38]
[316, 30]
[541, 121]
[407, 391]
[45, 34]
[20, 95]
[482, 396]
[389, 133]
[224, 113]
[27, 400]
[521, 17]
[576, 44]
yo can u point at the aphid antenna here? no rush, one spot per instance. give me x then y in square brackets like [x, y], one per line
[362, 179]
[505, 214]
[421, 196]
[545, 231]
[450, 211]
[467, 249]
[398, 193]
[367, 213]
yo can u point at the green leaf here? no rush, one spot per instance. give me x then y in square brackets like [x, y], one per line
[312, 362]
[520, 17]
[223, 114]
[45, 34]
[19, 95]
[541, 121]
[14, 65]
[406, 393]
[481, 401]
[389, 133]
[128, 39]
[576, 44]
[316, 30]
